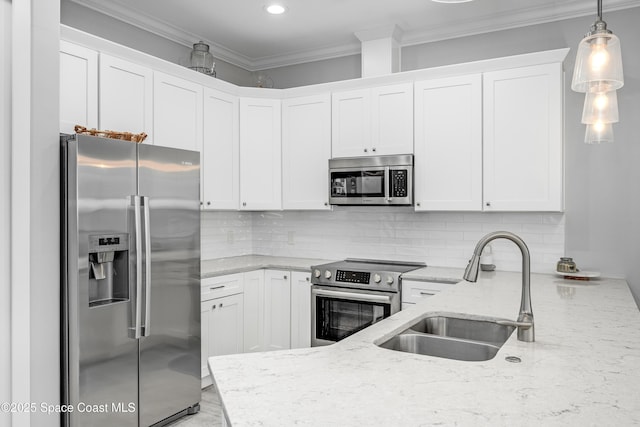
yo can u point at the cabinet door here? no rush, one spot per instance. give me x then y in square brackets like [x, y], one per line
[523, 145]
[222, 328]
[351, 123]
[277, 310]
[226, 325]
[392, 119]
[221, 151]
[253, 310]
[306, 149]
[78, 87]
[260, 154]
[448, 145]
[177, 112]
[126, 97]
[204, 339]
[300, 310]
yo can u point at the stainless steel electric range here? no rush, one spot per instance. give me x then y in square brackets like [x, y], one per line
[347, 296]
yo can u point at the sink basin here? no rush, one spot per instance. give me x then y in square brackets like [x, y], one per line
[437, 346]
[452, 337]
[476, 329]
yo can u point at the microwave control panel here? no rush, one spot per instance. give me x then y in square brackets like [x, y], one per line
[398, 183]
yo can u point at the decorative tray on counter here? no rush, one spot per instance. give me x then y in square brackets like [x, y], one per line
[579, 275]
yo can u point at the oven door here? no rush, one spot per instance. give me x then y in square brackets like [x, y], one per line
[340, 312]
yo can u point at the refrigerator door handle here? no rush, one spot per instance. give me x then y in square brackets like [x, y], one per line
[137, 314]
[147, 265]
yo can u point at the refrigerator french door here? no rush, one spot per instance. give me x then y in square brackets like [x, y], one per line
[130, 282]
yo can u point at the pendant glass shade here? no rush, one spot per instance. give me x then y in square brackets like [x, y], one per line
[598, 62]
[600, 107]
[598, 132]
[202, 60]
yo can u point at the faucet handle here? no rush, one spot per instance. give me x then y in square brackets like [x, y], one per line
[524, 325]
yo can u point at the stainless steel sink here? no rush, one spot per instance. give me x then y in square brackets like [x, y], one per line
[452, 337]
[475, 329]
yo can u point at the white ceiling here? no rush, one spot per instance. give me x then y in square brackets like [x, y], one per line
[242, 33]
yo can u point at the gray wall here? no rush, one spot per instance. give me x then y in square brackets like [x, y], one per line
[87, 20]
[601, 181]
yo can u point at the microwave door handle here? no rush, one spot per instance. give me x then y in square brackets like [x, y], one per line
[352, 296]
[387, 184]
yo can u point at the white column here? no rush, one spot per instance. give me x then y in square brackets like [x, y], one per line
[380, 50]
[5, 207]
[35, 247]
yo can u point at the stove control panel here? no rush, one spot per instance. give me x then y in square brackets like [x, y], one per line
[361, 277]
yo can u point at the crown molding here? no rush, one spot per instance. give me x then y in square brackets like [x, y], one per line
[496, 22]
[121, 12]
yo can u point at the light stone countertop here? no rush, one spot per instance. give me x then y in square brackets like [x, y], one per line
[583, 369]
[243, 263]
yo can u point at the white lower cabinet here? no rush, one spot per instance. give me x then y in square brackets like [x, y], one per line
[267, 319]
[300, 310]
[222, 328]
[413, 291]
[222, 317]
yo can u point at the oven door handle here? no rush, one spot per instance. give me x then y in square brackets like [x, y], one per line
[352, 296]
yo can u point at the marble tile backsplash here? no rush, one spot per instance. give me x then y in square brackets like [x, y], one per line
[444, 239]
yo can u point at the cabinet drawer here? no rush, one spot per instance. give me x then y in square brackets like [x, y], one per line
[216, 287]
[414, 291]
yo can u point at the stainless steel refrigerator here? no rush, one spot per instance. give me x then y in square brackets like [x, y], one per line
[130, 282]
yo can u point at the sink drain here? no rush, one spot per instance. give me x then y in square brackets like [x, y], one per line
[513, 359]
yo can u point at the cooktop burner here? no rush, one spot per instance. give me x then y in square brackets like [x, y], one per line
[372, 274]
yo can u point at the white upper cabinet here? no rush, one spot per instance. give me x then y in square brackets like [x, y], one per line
[260, 154]
[376, 121]
[306, 149]
[448, 144]
[126, 97]
[351, 123]
[78, 87]
[177, 112]
[523, 141]
[221, 151]
[392, 119]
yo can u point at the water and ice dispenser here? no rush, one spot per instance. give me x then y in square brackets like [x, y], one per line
[108, 269]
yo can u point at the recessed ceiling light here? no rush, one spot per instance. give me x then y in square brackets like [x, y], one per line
[275, 9]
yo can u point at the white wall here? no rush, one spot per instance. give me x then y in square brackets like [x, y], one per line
[5, 208]
[225, 234]
[90, 21]
[330, 70]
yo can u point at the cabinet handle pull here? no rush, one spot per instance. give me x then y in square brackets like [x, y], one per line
[373, 149]
[326, 203]
[427, 293]
[306, 278]
[214, 307]
[488, 203]
[213, 288]
[220, 305]
[418, 204]
[365, 150]
[244, 203]
[208, 203]
[285, 277]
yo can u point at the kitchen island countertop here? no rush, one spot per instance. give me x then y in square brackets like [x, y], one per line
[583, 369]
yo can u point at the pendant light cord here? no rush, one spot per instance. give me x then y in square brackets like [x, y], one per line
[600, 10]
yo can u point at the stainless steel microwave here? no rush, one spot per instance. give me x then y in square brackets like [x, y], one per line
[377, 180]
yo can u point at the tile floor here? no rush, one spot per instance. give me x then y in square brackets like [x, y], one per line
[210, 414]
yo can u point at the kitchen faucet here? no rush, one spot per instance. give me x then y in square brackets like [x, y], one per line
[525, 318]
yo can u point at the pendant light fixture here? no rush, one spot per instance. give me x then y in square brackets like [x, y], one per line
[598, 74]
